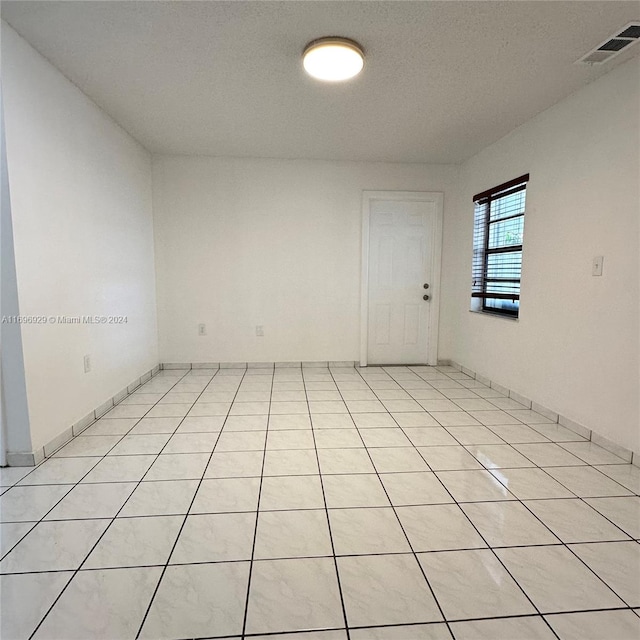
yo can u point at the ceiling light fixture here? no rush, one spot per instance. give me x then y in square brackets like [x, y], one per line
[333, 59]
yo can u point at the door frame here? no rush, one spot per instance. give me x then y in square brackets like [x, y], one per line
[437, 198]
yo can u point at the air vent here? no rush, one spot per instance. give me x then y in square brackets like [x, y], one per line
[632, 31]
[613, 45]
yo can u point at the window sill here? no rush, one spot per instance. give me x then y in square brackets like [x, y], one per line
[502, 316]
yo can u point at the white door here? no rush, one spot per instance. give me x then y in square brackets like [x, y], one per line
[404, 238]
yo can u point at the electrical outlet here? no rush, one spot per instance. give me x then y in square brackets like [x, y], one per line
[87, 364]
[596, 269]
[260, 331]
[202, 329]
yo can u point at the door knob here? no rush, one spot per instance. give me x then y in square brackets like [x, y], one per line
[425, 297]
[426, 286]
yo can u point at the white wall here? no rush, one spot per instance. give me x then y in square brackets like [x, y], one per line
[575, 348]
[15, 433]
[245, 242]
[81, 203]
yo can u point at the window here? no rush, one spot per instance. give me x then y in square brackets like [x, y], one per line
[497, 248]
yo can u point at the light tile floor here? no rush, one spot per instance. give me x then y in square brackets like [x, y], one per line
[322, 504]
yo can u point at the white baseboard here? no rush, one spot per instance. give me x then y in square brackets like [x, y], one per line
[32, 458]
[260, 365]
[628, 455]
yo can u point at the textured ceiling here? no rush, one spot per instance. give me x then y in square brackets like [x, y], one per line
[442, 79]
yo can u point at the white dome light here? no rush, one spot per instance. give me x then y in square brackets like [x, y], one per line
[333, 59]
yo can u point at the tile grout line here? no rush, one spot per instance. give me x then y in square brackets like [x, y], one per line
[576, 497]
[255, 528]
[72, 485]
[566, 544]
[105, 417]
[193, 498]
[368, 429]
[562, 543]
[415, 557]
[536, 466]
[495, 555]
[397, 381]
[326, 510]
[472, 524]
[488, 547]
[521, 501]
[75, 571]
[344, 555]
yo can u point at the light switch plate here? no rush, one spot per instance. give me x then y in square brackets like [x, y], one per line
[596, 269]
